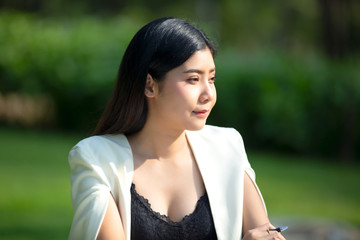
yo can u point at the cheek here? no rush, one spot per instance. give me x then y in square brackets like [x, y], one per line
[183, 93]
[175, 96]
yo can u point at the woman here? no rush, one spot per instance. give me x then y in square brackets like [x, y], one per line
[153, 170]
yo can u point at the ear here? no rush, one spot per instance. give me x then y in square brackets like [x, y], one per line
[150, 87]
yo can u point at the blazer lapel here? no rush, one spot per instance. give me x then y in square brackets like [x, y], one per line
[219, 158]
[207, 162]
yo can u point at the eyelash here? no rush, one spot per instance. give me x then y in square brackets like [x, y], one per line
[193, 79]
[213, 79]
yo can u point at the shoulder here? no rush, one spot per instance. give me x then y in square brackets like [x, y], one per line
[101, 148]
[222, 148]
[217, 134]
[96, 143]
[209, 129]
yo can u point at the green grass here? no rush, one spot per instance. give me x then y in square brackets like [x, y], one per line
[308, 187]
[35, 199]
[34, 178]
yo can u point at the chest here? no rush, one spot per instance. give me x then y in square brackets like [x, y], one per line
[172, 189]
[149, 224]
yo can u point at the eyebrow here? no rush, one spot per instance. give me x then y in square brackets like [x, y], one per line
[198, 71]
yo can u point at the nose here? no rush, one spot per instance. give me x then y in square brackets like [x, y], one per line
[208, 92]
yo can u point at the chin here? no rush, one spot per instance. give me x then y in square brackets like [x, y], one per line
[196, 127]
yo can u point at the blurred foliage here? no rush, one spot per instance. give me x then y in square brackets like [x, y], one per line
[302, 104]
[75, 62]
[330, 26]
[287, 99]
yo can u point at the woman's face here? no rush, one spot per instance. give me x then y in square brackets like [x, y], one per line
[185, 97]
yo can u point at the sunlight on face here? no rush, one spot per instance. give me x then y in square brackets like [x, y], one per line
[187, 94]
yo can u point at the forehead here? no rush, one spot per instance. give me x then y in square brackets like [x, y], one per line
[201, 59]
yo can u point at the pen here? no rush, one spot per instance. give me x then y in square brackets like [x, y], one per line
[279, 229]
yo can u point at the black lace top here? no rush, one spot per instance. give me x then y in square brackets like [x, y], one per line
[148, 224]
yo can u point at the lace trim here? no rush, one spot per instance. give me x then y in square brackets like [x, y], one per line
[163, 217]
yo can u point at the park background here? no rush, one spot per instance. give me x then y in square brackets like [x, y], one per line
[288, 79]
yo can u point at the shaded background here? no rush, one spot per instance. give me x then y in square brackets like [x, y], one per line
[287, 79]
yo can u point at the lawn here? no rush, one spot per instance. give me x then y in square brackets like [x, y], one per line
[35, 199]
[308, 188]
[34, 177]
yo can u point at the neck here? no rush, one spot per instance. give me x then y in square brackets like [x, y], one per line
[158, 143]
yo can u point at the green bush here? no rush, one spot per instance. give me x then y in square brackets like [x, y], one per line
[276, 100]
[73, 61]
[286, 103]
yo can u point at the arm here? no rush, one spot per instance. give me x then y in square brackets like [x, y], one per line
[255, 220]
[111, 226]
[254, 211]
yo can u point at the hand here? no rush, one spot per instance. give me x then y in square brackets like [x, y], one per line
[262, 233]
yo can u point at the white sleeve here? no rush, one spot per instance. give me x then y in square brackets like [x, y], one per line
[89, 193]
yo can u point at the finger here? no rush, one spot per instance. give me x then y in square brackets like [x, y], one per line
[274, 235]
[266, 226]
[261, 232]
[281, 237]
[269, 234]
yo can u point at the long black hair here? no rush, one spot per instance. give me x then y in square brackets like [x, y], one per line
[156, 48]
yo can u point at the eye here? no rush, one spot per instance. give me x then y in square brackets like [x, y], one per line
[212, 80]
[192, 80]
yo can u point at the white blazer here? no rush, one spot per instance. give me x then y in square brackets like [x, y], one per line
[103, 164]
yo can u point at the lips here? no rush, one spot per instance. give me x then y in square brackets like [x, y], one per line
[201, 113]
